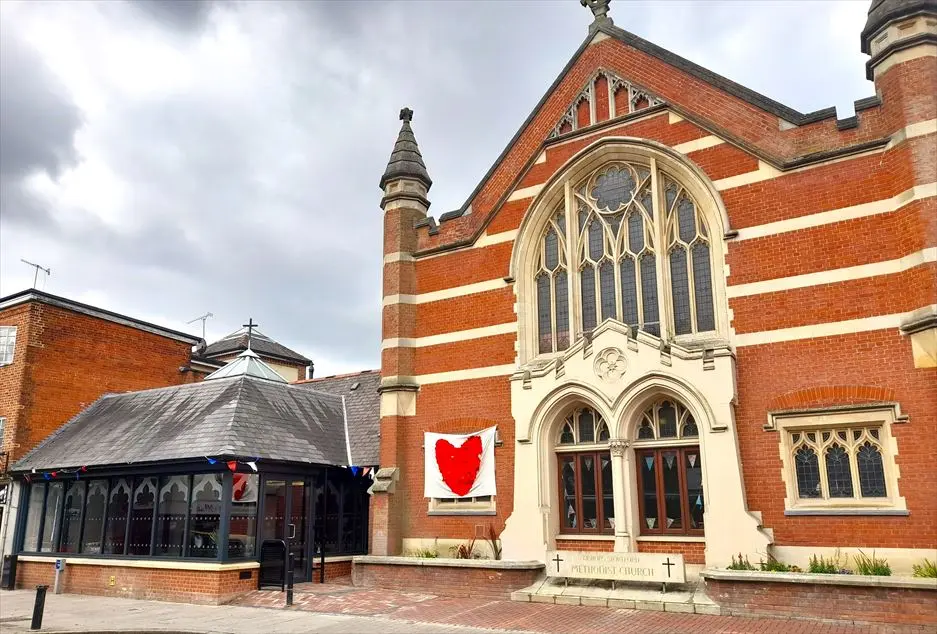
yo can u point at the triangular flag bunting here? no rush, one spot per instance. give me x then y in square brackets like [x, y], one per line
[699, 500]
[692, 459]
[669, 458]
[649, 461]
[252, 465]
[233, 465]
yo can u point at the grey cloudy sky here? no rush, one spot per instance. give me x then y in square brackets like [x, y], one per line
[171, 158]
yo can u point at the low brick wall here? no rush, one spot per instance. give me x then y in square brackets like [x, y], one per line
[693, 552]
[446, 577]
[333, 570]
[134, 580]
[861, 599]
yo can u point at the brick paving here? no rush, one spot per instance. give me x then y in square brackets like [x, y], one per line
[535, 617]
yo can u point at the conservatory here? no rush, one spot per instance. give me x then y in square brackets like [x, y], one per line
[202, 480]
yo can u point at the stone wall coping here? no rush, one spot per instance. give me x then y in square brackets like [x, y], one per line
[758, 576]
[493, 564]
[141, 563]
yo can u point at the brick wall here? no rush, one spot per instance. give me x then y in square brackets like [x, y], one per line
[837, 602]
[448, 581]
[161, 584]
[334, 570]
[66, 360]
[693, 552]
[591, 545]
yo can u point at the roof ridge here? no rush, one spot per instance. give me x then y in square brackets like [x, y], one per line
[337, 376]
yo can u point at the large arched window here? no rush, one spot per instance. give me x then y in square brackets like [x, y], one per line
[633, 247]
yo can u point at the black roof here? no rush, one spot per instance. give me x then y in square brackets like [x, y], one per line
[405, 160]
[260, 343]
[242, 416]
[362, 407]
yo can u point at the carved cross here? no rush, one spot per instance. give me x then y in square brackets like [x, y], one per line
[557, 559]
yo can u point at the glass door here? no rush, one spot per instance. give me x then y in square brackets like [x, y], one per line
[286, 511]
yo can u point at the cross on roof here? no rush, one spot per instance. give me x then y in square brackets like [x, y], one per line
[250, 325]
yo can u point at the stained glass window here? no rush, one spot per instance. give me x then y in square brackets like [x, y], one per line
[666, 418]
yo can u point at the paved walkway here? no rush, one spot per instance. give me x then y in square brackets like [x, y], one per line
[343, 610]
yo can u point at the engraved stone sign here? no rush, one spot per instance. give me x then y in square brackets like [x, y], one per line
[646, 567]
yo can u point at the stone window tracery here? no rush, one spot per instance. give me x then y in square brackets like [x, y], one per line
[633, 247]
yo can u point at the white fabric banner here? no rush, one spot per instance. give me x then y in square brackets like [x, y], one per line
[459, 465]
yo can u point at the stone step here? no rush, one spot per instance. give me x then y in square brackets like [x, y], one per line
[688, 599]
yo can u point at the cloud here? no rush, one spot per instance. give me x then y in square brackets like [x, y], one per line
[172, 158]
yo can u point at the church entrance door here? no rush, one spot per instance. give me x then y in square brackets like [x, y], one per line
[286, 517]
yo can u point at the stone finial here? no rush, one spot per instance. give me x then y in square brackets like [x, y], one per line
[406, 160]
[599, 8]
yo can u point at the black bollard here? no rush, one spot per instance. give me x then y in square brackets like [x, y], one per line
[289, 580]
[38, 607]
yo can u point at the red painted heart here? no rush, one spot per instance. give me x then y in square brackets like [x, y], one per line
[459, 465]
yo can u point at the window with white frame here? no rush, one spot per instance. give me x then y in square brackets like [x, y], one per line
[632, 247]
[480, 505]
[7, 344]
[839, 460]
[584, 467]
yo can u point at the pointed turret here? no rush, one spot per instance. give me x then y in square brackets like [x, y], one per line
[406, 160]
[898, 31]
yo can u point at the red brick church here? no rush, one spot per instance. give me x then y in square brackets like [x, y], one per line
[701, 322]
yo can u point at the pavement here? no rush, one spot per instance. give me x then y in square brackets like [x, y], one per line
[332, 609]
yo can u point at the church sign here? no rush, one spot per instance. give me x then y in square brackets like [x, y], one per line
[646, 567]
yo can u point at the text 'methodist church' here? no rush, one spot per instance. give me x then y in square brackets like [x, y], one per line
[674, 317]
[701, 321]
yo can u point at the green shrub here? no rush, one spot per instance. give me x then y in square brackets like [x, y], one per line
[834, 565]
[873, 565]
[927, 569]
[773, 565]
[424, 553]
[741, 564]
[464, 551]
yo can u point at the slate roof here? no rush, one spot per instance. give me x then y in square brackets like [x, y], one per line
[363, 408]
[260, 343]
[241, 416]
[406, 161]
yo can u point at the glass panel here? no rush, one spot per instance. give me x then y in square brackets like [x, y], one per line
[331, 517]
[560, 221]
[349, 515]
[551, 249]
[596, 240]
[37, 493]
[587, 284]
[603, 431]
[561, 303]
[649, 291]
[613, 188]
[170, 515]
[670, 193]
[670, 465]
[608, 497]
[668, 420]
[586, 426]
[629, 291]
[694, 488]
[807, 468]
[647, 201]
[118, 510]
[635, 232]
[543, 313]
[566, 436]
[274, 523]
[51, 527]
[568, 479]
[94, 517]
[607, 284]
[703, 287]
[646, 431]
[615, 222]
[838, 475]
[587, 483]
[205, 515]
[141, 516]
[680, 291]
[71, 523]
[297, 529]
[649, 492]
[871, 472]
[686, 219]
[689, 428]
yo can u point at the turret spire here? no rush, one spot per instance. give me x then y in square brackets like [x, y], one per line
[406, 160]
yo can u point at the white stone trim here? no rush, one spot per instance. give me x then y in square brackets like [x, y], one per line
[446, 293]
[906, 55]
[526, 192]
[461, 375]
[914, 130]
[695, 539]
[698, 144]
[142, 563]
[449, 337]
[918, 192]
[495, 238]
[763, 173]
[829, 329]
[398, 256]
[587, 538]
[874, 269]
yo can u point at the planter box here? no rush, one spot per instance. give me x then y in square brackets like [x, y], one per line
[854, 598]
[486, 578]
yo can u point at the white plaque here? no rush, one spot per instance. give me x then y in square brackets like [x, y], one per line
[649, 567]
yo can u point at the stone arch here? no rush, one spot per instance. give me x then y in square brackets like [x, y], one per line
[524, 252]
[634, 399]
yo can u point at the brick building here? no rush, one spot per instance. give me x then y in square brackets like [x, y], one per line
[702, 321]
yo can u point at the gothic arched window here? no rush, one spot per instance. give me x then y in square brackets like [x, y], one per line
[633, 247]
[584, 464]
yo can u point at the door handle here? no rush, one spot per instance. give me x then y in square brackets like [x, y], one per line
[292, 534]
